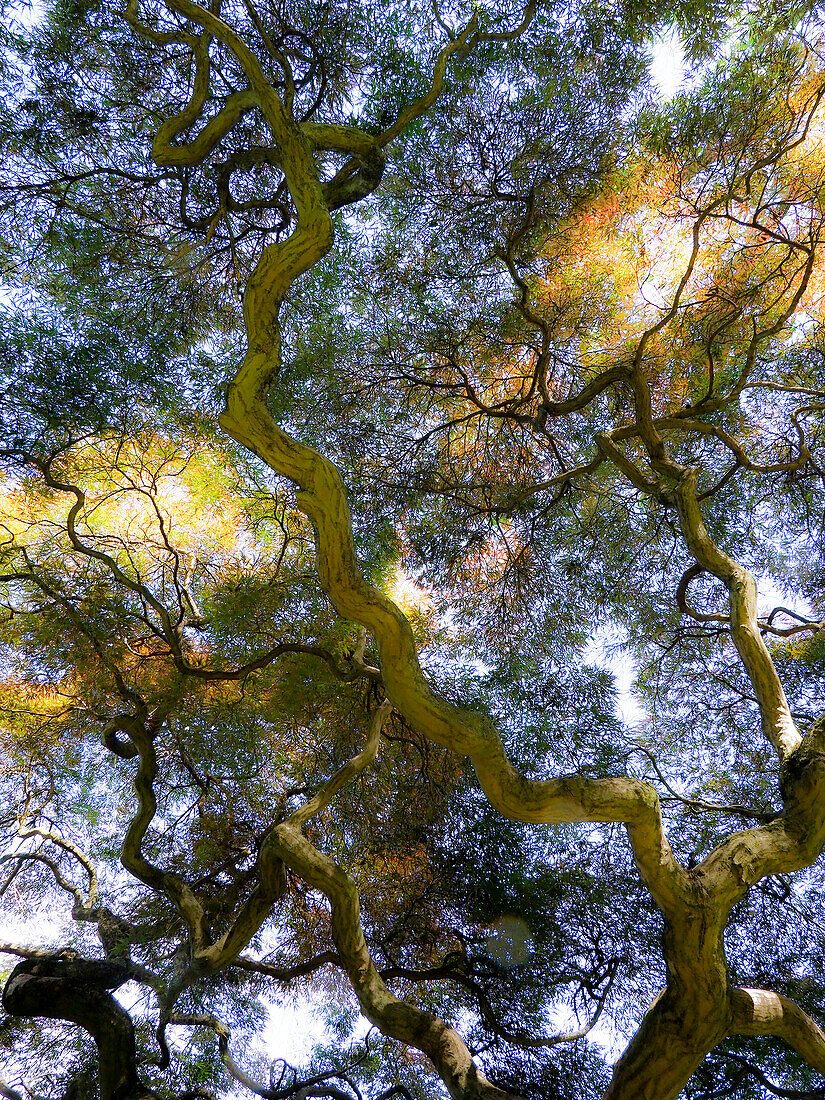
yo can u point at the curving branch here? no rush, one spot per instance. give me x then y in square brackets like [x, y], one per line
[83, 905]
[172, 885]
[763, 1012]
[286, 845]
[803, 624]
[285, 973]
[61, 987]
[271, 879]
[777, 723]
[680, 423]
[319, 1084]
[689, 575]
[736, 809]
[749, 1069]
[60, 879]
[195, 1019]
[355, 179]
[132, 971]
[165, 152]
[323, 498]
[346, 773]
[457, 967]
[420, 106]
[402, 1021]
[791, 841]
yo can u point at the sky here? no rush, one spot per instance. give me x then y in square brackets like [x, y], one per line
[667, 69]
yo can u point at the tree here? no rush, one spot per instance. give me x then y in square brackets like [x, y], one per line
[362, 362]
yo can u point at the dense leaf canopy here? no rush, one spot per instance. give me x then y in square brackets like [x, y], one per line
[386, 386]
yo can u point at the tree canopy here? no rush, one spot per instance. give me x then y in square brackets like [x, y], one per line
[376, 376]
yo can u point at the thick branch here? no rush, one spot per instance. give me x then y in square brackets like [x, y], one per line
[323, 499]
[669, 1046]
[442, 1045]
[271, 881]
[792, 841]
[762, 1012]
[777, 724]
[78, 991]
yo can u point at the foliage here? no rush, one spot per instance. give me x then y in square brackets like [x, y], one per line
[567, 354]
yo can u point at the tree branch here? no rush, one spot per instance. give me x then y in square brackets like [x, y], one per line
[77, 990]
[763, 1012]
[777, 724]
[442, 1045]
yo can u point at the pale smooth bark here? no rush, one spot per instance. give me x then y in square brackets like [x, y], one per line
[761, 1012]
[777, 724]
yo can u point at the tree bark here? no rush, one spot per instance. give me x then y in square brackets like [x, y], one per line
[77, 990]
